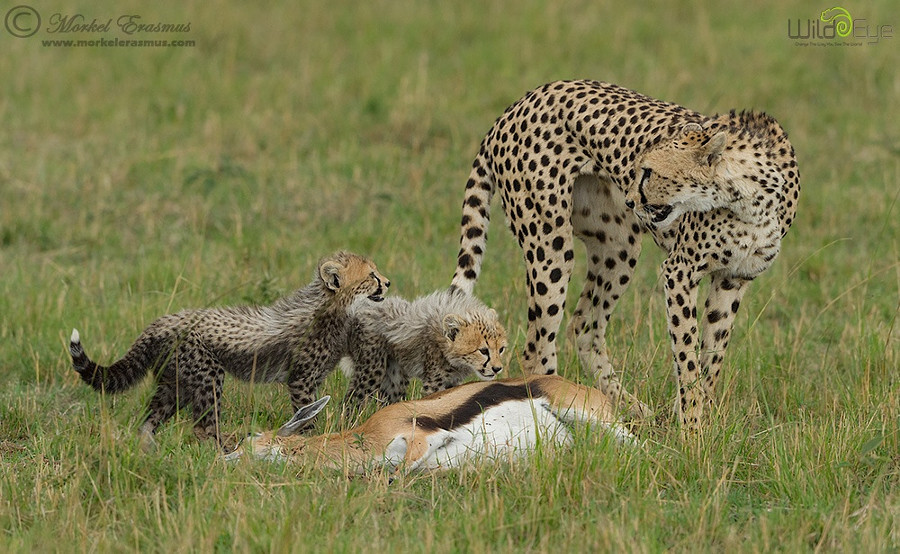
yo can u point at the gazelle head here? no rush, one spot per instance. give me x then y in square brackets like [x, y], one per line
[280, 444]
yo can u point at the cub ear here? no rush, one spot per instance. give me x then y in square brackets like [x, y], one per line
[712, 152]
[452, 324]
[330, 272]
[492, 313]
[691, 128]
[302, 416]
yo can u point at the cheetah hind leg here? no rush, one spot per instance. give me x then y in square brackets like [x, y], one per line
[162, 407]
[593, 355]
[612, 241]
[207, 408]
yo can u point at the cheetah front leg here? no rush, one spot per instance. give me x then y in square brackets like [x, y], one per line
[681, 312]
[312, 363]
[370, 360]
[395, 384]
[722, 303]
[437, 375]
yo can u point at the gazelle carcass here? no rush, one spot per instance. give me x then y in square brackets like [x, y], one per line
[480, 420]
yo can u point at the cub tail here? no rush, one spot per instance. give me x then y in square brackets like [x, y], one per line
[120, 376]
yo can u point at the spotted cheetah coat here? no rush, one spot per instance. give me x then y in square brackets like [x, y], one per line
[564, 158]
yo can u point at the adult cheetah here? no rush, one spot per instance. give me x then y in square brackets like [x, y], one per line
[605, 164]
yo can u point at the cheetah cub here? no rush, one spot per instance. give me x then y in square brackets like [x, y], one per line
[297, 340]
[440, 339]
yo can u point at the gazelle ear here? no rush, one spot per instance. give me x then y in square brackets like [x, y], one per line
[302, 416]
[330, 272]
[714, 148]
[452, 323]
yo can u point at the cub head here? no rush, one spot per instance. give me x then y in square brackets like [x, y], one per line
[679, 175]
[280, 444]
[353, 275]
[475, 341]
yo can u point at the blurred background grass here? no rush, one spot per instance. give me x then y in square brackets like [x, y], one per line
[138, 181]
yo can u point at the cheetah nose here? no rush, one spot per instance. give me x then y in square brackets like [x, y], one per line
[497, 369]
[629, 204]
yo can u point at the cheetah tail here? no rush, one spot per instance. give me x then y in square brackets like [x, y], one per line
[120, 376]
[476, 215]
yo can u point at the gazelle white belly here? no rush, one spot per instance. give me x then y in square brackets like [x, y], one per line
[506, 431]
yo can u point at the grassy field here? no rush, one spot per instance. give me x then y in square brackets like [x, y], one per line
[139, 181]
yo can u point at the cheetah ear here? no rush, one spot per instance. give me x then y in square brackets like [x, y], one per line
[492, 313]
[712, 151]
[691, 128]
[302, 416]
[330, 272]
[452, 324]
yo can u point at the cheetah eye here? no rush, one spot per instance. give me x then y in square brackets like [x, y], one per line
[502, 349]
[484, 351]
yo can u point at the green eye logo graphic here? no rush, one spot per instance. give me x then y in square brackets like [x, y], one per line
[843, 23]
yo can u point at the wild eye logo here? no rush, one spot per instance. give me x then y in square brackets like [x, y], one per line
[843, 23]
[836, 27]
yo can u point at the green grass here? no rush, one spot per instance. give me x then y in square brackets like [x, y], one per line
[137, 182]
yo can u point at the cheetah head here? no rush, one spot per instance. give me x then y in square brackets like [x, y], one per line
[678, 175]
[354, 275]
[475, 342]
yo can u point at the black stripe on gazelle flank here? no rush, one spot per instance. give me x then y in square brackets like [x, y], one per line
[478, 403]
